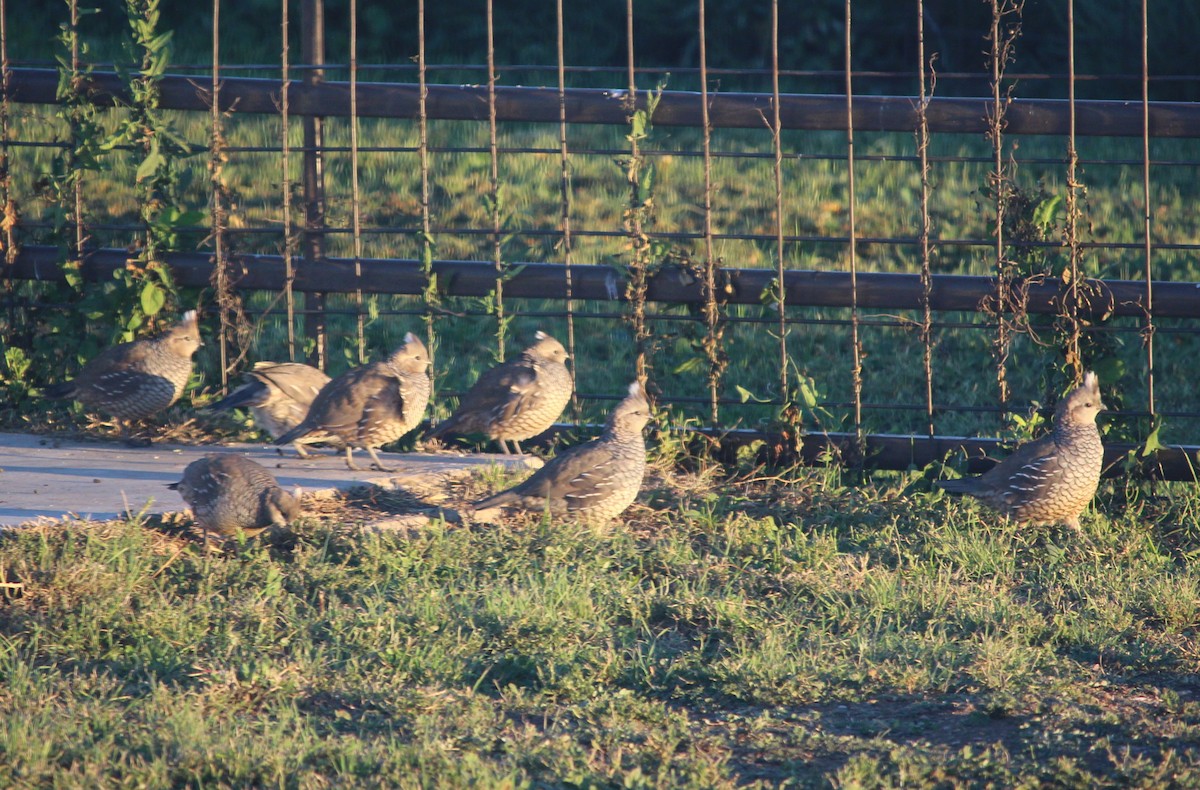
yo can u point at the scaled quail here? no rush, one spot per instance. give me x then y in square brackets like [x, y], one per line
[1050, 480]
[372, 405]
[592, 482]
[229, 494]
[137, 379]
[515, 400]
[278, 394]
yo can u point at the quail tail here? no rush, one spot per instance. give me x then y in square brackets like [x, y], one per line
[298, 432]
[64, 389]
[964, 485]
[247, 395]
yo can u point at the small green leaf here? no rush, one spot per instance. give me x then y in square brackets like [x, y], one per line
[153, 299]
[150, 165]
[747, 396]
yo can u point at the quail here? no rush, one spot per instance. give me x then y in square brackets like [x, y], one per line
[515, 400]
[278, 394]
[1052, 479]
[371, 405]
[137, 379]
[592, 482]
[229, 494]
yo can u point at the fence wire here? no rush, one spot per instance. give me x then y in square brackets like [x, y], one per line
[658, 215]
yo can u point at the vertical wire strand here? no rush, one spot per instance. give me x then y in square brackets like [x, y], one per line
[926, 265]
[355, 205]
[80, 231]
[856, 373]
[710, 283]
[634, 215]
[8, 205]
[1072, 230]
[426, 244]
[1148, 330]
[218, 204]
[497, 252]
[777, 135]
[565, 187]
[313, 178]
[1000, 200]
[286, 181]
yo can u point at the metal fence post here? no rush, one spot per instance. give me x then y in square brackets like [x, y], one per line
[312, 35]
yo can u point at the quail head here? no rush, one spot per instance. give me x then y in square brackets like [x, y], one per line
[134, 380]
[1052, 479]
[370, 406]
[593, 482]
[229, 494]
[278, 394]
[515, 400]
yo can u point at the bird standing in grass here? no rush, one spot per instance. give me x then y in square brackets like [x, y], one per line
[278, 394]
[1052, 479]
[229, 494]
[135, 380]
[370, 406]
[515, 400]
[592, 482]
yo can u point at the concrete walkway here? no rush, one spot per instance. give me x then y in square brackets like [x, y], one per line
[46, 477]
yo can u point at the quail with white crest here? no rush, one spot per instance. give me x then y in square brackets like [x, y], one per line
[515, 400]
[591, 483]
[1052, 479]
[138, 379]
[370, 406]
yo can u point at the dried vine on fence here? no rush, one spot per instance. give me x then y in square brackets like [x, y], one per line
[636, 219]
[430, 292]
[1008, 309]
[928, 82]
[235, 332]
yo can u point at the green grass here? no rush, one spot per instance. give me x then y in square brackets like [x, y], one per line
[807, 631]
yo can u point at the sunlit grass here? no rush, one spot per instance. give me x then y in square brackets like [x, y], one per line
[805, 630]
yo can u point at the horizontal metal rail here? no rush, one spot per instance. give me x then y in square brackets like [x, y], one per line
[671, 284]
[601, 106]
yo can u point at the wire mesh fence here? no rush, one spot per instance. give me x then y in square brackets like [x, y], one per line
[778, 245]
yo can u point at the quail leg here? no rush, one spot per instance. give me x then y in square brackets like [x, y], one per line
[350, 460]
[378, 465]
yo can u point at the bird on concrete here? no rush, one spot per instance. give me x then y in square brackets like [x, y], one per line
[1052, 479]
[370, 406]
[515, 400]
[135, 380]
[229, 494]
[278, 394]
[592, 482]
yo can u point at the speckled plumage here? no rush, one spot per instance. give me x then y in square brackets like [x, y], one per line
[370, 406]
[278, 395]
[593, 482]
[137, 379]
[1052, 479]
[229, 494]
[515, 400]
